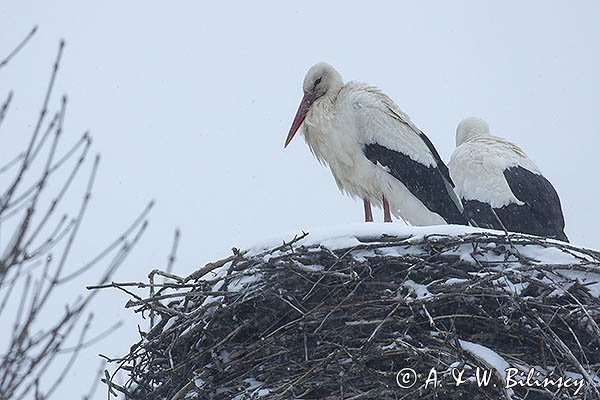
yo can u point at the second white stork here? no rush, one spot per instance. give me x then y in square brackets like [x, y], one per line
[501, 188]
[374, 151]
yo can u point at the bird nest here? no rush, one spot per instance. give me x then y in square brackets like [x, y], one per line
[404, 316]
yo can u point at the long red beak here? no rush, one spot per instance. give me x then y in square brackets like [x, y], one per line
[305, 104]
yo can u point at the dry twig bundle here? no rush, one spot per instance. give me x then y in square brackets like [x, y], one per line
[339, 319]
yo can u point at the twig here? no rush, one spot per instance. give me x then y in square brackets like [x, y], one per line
[173, 251]
[18, 48]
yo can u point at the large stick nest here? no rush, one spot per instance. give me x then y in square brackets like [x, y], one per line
[339, 321]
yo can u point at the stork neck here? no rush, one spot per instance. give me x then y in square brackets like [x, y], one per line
[330, 97]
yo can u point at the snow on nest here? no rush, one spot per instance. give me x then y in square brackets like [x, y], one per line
[352, 235]
[349, 235]
[489, 357]
[344, 236]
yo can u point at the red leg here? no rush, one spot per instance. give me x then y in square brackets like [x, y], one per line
[387, 217]
[368, 212]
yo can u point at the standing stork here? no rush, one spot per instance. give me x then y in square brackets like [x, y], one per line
[374, 151]
[501, 188]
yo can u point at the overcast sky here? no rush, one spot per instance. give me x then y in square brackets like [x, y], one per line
[189, 103]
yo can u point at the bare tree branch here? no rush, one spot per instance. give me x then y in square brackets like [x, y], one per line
[18, 48]
[173, 253]
[122, 239]
[35, 257]
[6, 197]
[4, 107]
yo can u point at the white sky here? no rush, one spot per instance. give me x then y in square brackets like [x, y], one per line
[190, 104]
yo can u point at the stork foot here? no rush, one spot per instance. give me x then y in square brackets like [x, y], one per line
[368, 212]
[387, 216]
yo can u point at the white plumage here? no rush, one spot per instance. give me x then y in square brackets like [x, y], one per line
[478, 163]
[497, 181]
[341, 126]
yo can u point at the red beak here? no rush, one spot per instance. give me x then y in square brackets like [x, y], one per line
[305, 104]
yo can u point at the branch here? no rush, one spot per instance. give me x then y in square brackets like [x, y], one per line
[5, 106]
[5, 199]
[18, 48]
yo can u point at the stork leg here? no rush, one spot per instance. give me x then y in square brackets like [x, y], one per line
[368, 212]
[387, 217]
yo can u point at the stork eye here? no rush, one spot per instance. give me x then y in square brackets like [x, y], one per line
[317, 82]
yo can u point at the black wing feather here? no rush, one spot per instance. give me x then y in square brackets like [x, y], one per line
[541, 201]
[541, 214]
[513, 217]
[442, 167]
[428, 184]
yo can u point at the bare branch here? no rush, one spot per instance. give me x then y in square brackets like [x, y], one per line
[122, 239]
[36, 229]
[11, 163]
[173, 251]
[18, 48]
[6, 197]
[4, 107]
[21, 200]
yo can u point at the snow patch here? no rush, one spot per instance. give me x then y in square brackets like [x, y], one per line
[488, 356]
[547, 255]
[240, 282]
[420, 291]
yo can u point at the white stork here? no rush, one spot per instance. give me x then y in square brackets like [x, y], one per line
[496, 181]
[374, 151]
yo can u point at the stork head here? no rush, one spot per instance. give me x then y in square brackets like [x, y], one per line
[321, 80]
[470, 127]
